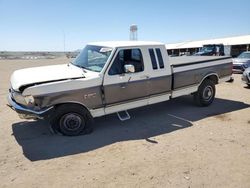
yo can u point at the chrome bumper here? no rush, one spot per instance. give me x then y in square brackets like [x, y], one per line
[26, 113]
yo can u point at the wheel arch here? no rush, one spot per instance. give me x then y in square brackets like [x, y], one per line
[80, 105]
[211, 76]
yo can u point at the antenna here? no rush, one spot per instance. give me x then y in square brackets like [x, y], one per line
[133, 32]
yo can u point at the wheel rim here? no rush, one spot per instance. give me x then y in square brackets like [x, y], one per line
[208, 93]
[71, 121]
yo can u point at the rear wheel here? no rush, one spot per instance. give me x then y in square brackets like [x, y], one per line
[205, 94]
[72, 120]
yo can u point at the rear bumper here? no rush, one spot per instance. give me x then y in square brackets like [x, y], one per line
[26, 113]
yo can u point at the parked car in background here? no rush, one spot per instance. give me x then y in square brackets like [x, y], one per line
[242, 62]
[246, 76]
[211, 50]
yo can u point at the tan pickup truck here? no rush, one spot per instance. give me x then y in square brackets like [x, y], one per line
[113, 77]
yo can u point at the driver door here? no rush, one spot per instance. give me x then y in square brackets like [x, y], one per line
[121, 87]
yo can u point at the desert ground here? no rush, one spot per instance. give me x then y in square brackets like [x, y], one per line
[170, 144]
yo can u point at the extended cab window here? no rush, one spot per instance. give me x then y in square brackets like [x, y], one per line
[127, 57]
[160, 59]
[153, 59]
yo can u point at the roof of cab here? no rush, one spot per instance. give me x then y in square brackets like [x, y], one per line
[114, 44]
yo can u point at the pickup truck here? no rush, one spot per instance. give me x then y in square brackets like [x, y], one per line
[112, 77]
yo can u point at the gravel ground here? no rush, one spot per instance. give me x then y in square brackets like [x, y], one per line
[170, 144]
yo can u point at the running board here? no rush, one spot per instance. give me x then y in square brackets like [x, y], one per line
[123, 115]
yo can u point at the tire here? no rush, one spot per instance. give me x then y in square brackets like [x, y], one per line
[205, 94]
[72, 120]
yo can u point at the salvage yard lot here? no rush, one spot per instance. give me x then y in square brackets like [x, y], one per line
[170, 144]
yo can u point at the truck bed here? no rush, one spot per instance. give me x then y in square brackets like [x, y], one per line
[190, 60]
[188, 71]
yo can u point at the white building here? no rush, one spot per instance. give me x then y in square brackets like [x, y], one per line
[233, 45]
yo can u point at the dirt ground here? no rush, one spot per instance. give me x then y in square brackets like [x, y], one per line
[171, 144]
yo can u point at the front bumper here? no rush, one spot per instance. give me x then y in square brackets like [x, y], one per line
[26, 113]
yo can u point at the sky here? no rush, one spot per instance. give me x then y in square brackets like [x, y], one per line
[44, 25]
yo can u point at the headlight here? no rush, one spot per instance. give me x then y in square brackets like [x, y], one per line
[29, 100]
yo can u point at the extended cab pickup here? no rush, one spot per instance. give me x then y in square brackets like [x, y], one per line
[109, 77]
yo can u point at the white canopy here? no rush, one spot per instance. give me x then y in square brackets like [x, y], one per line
[239, 40]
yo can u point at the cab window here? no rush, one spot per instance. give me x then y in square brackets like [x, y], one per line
[127, 57]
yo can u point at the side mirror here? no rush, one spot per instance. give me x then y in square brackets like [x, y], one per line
[129, 68]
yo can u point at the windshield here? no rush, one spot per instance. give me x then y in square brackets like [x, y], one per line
[93, 58]
[244, 55]
[207, 48]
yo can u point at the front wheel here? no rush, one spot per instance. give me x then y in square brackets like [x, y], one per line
[205, 94]
[72, 120]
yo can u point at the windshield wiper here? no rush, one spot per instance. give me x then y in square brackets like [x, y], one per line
[83, 68]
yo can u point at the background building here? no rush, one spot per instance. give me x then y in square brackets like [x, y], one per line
[233, 45]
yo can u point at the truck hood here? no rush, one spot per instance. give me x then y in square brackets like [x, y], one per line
[43, 74]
